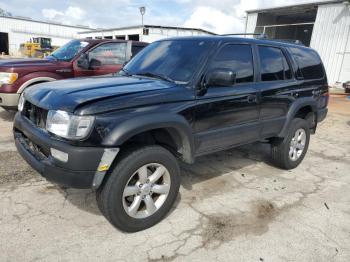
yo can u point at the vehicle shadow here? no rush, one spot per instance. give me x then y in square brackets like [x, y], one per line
[217, 164]
[7, 116]
[206, 168]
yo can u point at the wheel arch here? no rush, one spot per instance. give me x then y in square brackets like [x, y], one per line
[305, 108]
[174, 126]
[35, 80]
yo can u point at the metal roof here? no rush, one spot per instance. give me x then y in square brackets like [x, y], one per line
[44, 22]
[146, 26]
[315, 3]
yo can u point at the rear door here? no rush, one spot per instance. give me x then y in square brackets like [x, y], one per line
[278, 88]
[228, 115]
[104, 59]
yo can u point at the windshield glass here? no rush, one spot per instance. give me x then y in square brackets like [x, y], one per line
[176, 60]
[69, 50]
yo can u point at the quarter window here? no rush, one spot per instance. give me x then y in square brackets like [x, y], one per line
[109, 54]
[239, 59]
[309, 63]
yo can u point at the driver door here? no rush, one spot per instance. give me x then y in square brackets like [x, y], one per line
[229, 115]
[104, 59]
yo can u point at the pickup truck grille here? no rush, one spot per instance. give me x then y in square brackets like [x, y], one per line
[35, 114]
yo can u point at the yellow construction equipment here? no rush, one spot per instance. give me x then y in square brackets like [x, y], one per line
[37, 47]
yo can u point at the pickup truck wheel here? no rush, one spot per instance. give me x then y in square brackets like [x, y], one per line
[141, 189]
[290, 151]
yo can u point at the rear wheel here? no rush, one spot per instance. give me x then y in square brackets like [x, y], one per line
[287, 153]
[141, 189]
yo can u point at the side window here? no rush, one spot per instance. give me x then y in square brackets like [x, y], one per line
[271, 63]
[239, 59]
[135, 49]
[109, 54]
[310, 64]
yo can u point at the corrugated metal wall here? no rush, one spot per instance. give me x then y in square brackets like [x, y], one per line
[20, 31]
[329, 38]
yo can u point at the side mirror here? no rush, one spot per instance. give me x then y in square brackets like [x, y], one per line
[83, 61]
[221, 77]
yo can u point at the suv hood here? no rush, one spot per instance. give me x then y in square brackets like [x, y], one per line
[25, 62]
[69, 94]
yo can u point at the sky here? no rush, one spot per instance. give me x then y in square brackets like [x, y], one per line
[219, 16]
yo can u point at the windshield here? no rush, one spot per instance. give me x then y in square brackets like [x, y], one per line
[176, 60]
[69, 50]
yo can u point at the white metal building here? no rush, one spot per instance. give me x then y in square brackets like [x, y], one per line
[147, 33]
[17, 30]
[324, 26]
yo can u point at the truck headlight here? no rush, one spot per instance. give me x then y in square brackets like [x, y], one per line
[8, 78]
[68, 125]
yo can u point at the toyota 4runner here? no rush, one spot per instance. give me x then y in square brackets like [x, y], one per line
[176, 100]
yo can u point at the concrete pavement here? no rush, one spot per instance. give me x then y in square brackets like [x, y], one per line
[233, 206]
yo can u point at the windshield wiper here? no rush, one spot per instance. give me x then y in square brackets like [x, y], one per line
[160, 76]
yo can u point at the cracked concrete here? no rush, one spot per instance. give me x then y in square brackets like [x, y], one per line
[233, 206]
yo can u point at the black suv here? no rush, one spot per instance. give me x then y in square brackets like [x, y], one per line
[178, 99]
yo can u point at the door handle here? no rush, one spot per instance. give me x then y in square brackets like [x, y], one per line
[251, 98]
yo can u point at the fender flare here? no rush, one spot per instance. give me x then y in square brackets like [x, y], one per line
[33, 81]
[295, 107]
[178, 127]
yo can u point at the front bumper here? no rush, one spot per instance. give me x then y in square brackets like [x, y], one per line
[34, 145]
[9, 100]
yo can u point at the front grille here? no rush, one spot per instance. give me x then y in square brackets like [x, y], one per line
[38, 152]
[35, 114]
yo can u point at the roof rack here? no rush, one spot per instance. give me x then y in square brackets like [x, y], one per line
[264, 36]
[292, 41]
[260, 36]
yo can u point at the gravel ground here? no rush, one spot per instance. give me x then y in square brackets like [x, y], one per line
[233, 206]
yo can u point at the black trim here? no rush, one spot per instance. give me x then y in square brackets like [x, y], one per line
[227, 137]
[55, 174]
[297, 104]
[321, 114]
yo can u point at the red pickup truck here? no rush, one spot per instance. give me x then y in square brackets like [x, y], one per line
[85, 57]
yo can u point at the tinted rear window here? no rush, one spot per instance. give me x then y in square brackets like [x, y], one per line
[271, 63]
[309, 63]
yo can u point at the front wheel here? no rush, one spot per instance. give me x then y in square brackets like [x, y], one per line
[288, 152]
[141, 189]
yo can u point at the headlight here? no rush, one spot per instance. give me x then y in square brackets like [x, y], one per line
[21, 103]
[68, 125]
[8, 78]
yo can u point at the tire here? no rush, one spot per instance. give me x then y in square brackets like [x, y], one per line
[281, 148]
[111, 198]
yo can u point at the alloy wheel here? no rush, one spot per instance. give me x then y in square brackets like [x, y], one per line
[146, 191]
[297, 144]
